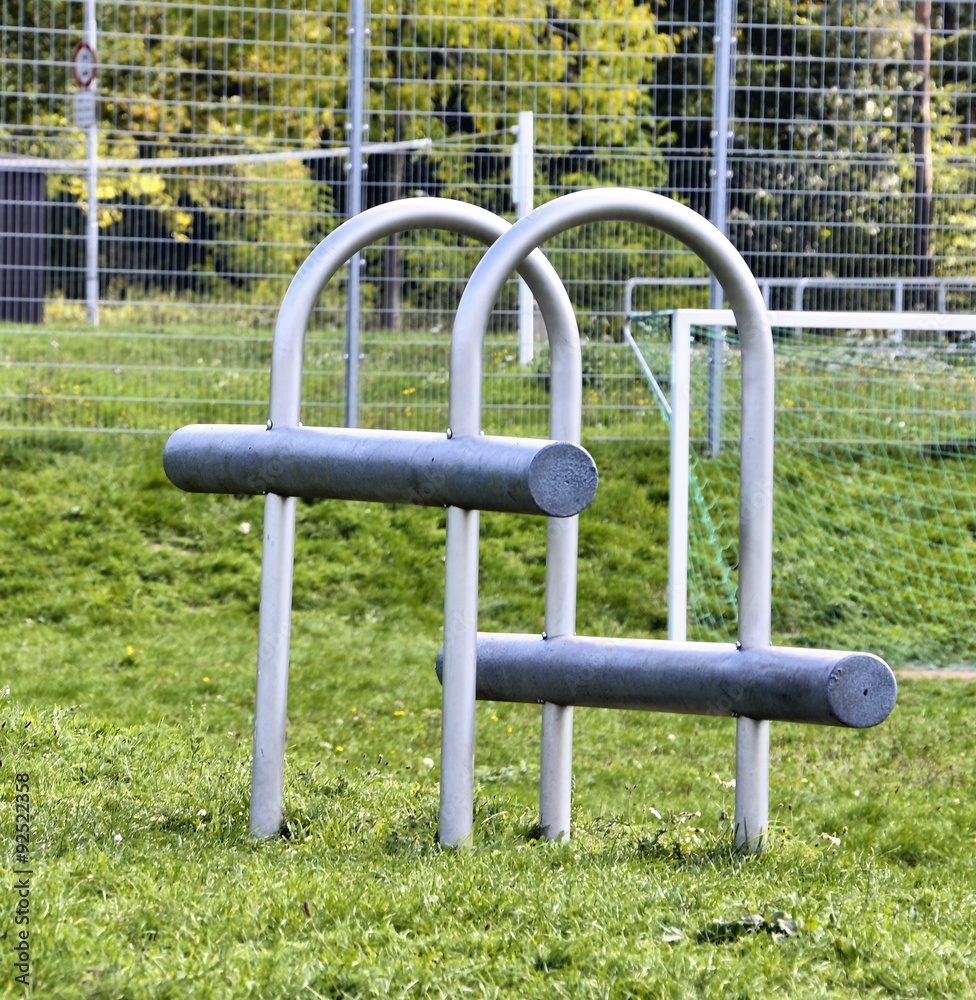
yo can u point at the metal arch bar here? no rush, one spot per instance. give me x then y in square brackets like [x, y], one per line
[756, 472]
[277, 568]
[788, 684]
[532, 476]
[376, 224]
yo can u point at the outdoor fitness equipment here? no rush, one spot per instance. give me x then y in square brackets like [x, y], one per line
[349, 463]
[850, 689]
[750, 680]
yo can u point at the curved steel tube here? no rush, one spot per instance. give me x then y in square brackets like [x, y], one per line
[756, 473]
[376, 224]
[267, 784]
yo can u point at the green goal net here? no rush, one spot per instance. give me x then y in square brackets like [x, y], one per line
[874, 485]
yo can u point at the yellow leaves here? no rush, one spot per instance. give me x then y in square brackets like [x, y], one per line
[107, 216]
[183, 223]
[145, 114]
[147, 184]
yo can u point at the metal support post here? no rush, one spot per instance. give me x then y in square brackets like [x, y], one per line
[356, 168]
[721, 137]
[91, 221]
[678, 499]
[523, 197]
[456, 818]
[274, 644]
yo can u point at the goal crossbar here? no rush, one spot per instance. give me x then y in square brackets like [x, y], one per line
[826, 320]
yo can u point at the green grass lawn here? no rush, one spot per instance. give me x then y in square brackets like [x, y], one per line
[128, 637]
[157, 377]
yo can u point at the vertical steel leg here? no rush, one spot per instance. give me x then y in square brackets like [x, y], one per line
[460, 662]
[556, 773]
[274, 639]
[755, 583]
[751, 783]
[562, 558]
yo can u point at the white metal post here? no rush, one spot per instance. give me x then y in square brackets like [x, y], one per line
[460, 667]
[91, 222]
[721, 110]
[751, 782]
[460, 625]
[678, 504]
[755, 558]
[523, 197]
[274, 644]
[354, 195]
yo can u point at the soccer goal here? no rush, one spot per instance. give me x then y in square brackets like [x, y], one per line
[875, 479]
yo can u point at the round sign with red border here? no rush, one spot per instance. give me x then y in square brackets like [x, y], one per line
[84, 65]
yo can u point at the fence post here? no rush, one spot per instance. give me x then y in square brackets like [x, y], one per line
[354, 204]
[523, 197]
[722, 90]
[91, 222]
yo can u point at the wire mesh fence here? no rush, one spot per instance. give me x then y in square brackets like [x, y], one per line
[153, 214]
[221, 157]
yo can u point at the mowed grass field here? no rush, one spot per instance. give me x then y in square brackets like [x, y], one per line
[128, 639]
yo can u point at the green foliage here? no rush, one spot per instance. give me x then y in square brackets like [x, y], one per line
[43, 66]
[227, 69]
[471, 67]
[823, 174]
[824, 106]
[252, 78]
[257, 206]
[956, 220]
[466, 70]
[838, 154]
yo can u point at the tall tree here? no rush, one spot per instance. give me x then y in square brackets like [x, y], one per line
[460, 71]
